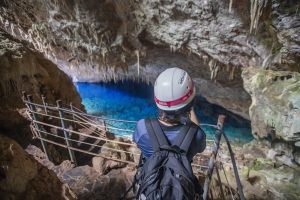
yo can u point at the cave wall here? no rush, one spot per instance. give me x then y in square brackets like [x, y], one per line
[22, 69]
[114, 40]
[104, 40]
[22, 177]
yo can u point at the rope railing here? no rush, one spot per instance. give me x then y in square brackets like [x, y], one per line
[77, 131]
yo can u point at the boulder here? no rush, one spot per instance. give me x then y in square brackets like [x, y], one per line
[297, 157]
[22, 177]
[86, 182]
[275, 108]
[103, 165]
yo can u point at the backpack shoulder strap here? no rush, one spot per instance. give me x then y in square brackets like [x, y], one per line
[181, 135]
[190, 135]
[156, 134]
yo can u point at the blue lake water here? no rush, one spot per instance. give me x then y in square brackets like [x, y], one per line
[133, 101]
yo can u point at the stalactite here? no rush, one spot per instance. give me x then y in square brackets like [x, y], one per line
[138, 61]
[103, 53]
[173, 48]
[123, 57]
[205, 58]
[214, 69]
[230, 6]
[231, 75]
[12, 29]
[267, 61]
[257, 7]
[227, 68]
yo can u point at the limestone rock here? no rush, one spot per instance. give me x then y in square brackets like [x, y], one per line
[86, 182]
[264, 178]
[103, 165]
[22, 177]
[112, 40]
[23, 69]
[136, 152]
[297, 157]
[275, 108]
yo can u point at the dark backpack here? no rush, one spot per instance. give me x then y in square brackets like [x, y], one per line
[168, 174]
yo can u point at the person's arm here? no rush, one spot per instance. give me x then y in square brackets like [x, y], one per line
[142, 140]
[194, 117]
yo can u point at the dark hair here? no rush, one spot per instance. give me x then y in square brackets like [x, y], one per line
[180, 116]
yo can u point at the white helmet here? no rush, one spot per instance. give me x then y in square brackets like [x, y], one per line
[173, 89]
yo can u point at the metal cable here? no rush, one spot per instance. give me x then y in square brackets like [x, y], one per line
[231, 193]
[118, 150]
[75, 121]
[87, 152]
[83, 134]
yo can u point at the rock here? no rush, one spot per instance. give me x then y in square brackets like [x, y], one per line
[61, 169]
[22, 177]
[277, 117]
[103, 165]
[261, 180]
[136, 152]
[203, 37]
[285, 160]
[23, 69]
[88, 184]
[271, 154]
[297, 157]
[40, 156]
[281, 183]
[107, 179]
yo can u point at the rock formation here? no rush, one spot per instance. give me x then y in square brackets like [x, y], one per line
[275, 104]
[22, 177]
[22, 69]
[106, 181]
[113, 40]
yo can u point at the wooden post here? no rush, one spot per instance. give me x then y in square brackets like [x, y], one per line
[66, 134]
[32, 108]
[45, 108]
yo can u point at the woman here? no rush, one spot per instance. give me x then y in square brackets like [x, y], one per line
[174, 93]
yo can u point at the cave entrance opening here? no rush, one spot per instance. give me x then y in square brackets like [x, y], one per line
[132, 100]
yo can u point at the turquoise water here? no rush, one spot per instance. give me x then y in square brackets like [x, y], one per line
[133, 101]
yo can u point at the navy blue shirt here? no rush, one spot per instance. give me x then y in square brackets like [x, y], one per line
[142, 139]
